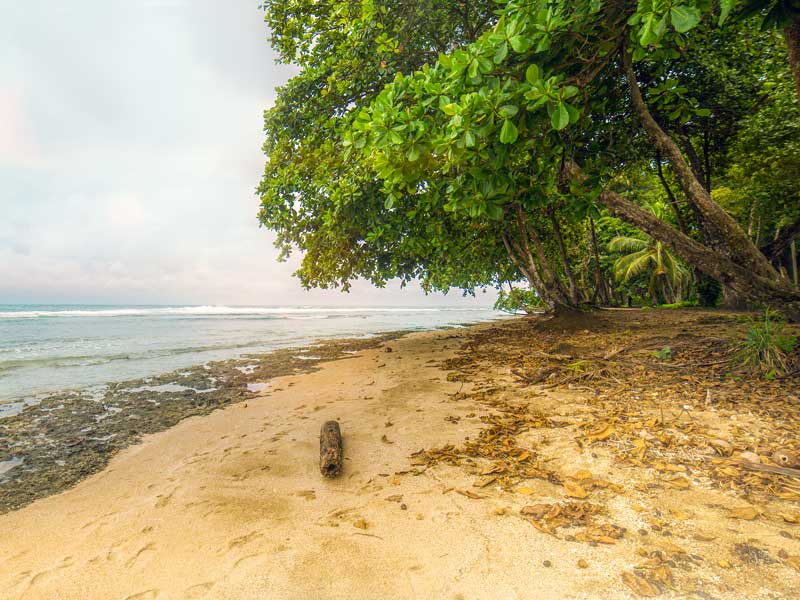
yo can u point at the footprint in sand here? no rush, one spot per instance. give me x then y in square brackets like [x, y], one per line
[244, 539]
[149, 547]
[39, 577]
[165, 500]
[145, 595]
[240, 561]
[198, 591]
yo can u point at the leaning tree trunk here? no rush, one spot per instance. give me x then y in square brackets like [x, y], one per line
[536, 269]
[792, 35]
[562, 250]
[599, 281]
[722, 231]
[673, 202]
[777, 293]
[528, 270]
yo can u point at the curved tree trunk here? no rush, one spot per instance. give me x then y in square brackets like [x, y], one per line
[525, 265]
[777, 293]
[551, 280]
[562, 250]
[673, 202]
[792, 35]
[599, 281]
[723, 233]
[534, 265]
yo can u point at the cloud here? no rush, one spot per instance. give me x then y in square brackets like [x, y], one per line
[130, 147]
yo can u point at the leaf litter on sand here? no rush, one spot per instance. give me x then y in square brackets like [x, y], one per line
[686, 421]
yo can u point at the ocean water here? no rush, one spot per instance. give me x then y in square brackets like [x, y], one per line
[48, 348]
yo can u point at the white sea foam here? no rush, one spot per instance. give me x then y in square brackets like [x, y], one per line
[173, 311]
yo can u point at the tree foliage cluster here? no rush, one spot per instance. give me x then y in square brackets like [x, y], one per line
[596, 150]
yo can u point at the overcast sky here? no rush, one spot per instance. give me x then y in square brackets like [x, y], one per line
[130, 147]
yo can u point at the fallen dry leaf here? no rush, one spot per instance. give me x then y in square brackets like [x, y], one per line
[748, 513]
[536, 510]
[469, 494]
[640, 585]
[680, 483]
[485, 481]
[525, 491]
[793, 518]
[574, 490]
[601, 432]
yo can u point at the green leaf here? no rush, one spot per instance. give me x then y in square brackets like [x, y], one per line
[502, 52]
[389, 202]
[508, 133]
[449, 109]
[574, 115]
[532, 74]
[507, 111]
[684, 17]
[559, 117]
[648, 35]
[494, 211]
[569, 92]
[725, 7]
[520, 43]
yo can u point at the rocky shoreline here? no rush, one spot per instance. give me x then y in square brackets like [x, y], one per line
[50, 446]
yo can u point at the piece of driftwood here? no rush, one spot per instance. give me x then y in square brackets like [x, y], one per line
[331, 453]
[770, 469]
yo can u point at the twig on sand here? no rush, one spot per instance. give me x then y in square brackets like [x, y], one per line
[369, 535]
[789, 472]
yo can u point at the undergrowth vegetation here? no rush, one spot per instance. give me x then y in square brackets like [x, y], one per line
[766, 349]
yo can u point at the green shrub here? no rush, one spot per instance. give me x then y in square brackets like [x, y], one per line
[765, 350]
[664, 354]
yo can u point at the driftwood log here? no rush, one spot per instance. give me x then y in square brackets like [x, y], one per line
[331, 452]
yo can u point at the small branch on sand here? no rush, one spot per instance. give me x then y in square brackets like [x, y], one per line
[330, 449]
[789, 472]
[369, 535]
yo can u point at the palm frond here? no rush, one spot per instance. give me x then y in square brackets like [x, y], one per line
[634, 264]
[627, 244]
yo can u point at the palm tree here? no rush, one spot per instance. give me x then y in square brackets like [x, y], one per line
[668, 277]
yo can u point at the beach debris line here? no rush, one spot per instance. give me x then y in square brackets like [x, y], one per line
[331, 449]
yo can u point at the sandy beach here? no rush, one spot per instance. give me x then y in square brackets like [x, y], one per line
[232, 505]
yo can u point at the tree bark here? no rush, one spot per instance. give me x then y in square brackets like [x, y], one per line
[562, 250]
[779, 245]
[773, 292]
[694, 160]
[331, 449]
[551, 280]
[599, 280]
[723, 232]
[670, 196]
[792, 35]
[516, 255]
